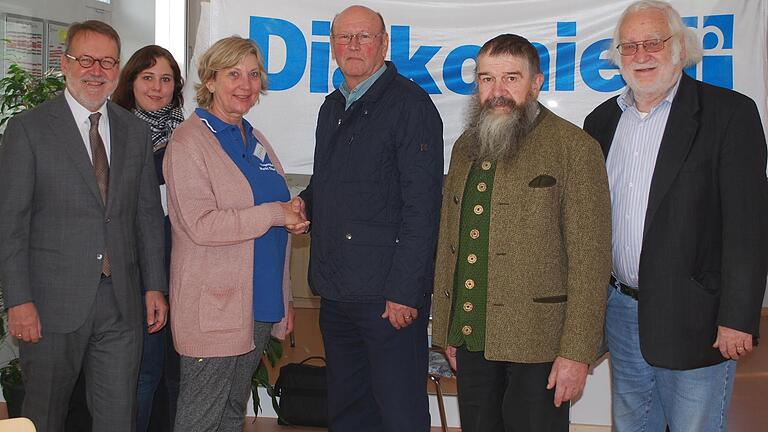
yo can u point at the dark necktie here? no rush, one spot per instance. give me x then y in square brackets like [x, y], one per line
[101, 169]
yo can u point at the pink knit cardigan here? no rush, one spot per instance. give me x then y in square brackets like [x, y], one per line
[214, 223]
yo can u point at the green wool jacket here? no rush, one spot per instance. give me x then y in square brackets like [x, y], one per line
[549, 246]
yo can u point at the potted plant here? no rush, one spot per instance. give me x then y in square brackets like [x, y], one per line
[272, 353]
[20, 90]
[10, 373]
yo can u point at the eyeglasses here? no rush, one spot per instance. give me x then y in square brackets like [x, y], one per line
[362, 38]
[649, 45]
[87, 61]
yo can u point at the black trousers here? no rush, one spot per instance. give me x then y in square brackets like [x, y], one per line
[377, 375]
[499, 396]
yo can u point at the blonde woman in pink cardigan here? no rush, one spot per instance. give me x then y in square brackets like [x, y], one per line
[229, 206]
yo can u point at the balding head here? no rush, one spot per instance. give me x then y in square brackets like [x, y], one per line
[359, 43]
[359, 11]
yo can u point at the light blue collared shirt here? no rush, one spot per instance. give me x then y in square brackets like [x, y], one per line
[630, 164]
[359, 91]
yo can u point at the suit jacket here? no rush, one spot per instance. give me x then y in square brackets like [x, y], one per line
[705, 239]
[54, 228]
[549, 247]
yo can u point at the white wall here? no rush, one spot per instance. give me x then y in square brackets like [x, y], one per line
[134, 20]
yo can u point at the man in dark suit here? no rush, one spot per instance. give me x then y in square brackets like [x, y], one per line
[686, 167]
[374, 202]
[82, 226]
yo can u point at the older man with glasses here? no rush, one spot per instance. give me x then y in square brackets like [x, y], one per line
[82, 228]
[686, 167]
[373, 202]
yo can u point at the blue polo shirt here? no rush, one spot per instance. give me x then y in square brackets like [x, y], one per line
[267, 185]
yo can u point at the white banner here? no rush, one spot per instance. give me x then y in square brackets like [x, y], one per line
[434, 43]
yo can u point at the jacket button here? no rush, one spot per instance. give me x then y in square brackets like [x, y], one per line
[468, 306]
[456, 199]
[469, 284]
[348, 236]
[486, 165]
[99, 256]
[471, 258]
[108, 220]
[466, 330]
[482, 187]
[478, 209]
[474, 234]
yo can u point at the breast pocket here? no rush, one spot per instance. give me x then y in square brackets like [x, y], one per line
[541, 199]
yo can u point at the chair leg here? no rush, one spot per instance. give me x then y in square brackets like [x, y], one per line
[440, 405]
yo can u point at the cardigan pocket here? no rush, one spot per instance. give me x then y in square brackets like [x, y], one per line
[221, 309]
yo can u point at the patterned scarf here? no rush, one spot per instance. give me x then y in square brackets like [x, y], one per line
[162, 123]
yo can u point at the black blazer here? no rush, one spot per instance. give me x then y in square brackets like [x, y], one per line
[704, 253]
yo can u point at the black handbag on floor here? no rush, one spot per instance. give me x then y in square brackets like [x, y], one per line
[303, 392]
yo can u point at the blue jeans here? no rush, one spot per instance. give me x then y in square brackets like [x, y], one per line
[648, 398]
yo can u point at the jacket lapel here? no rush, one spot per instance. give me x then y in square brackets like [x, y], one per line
[118, 136]
[68, 133]
[682, 124]
[612, 122]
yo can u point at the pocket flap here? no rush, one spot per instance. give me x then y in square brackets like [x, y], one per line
[543, 181]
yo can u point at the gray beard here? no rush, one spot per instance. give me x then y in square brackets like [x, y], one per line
[498, 135]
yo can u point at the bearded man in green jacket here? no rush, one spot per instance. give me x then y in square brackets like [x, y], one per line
[524, 251]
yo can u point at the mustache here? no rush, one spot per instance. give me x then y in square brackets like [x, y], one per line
[499, 102]
[94, 78]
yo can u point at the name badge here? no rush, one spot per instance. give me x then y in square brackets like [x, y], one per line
[260, 152]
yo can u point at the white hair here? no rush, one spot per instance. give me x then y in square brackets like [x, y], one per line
[693, 50]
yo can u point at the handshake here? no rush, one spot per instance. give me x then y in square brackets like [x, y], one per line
[295, 216]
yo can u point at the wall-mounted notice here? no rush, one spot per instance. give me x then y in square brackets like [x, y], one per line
[23, 43]
[56, 42]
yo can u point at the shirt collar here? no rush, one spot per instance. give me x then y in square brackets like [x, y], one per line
[80, 112]
[216, 125]
[627, 100]
[353, 95]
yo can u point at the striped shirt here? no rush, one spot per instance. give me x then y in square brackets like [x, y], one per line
[631, 162]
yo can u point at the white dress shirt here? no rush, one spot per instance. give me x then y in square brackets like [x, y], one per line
[81, 115]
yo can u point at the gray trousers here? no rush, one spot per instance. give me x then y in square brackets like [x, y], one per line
[214, 391]
[106, 347]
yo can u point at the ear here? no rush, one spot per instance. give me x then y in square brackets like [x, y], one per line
[538, 81]
[64, 63]
[385, 44]
[683, 54]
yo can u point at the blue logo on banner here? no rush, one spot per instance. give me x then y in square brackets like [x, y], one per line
[716, 65]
